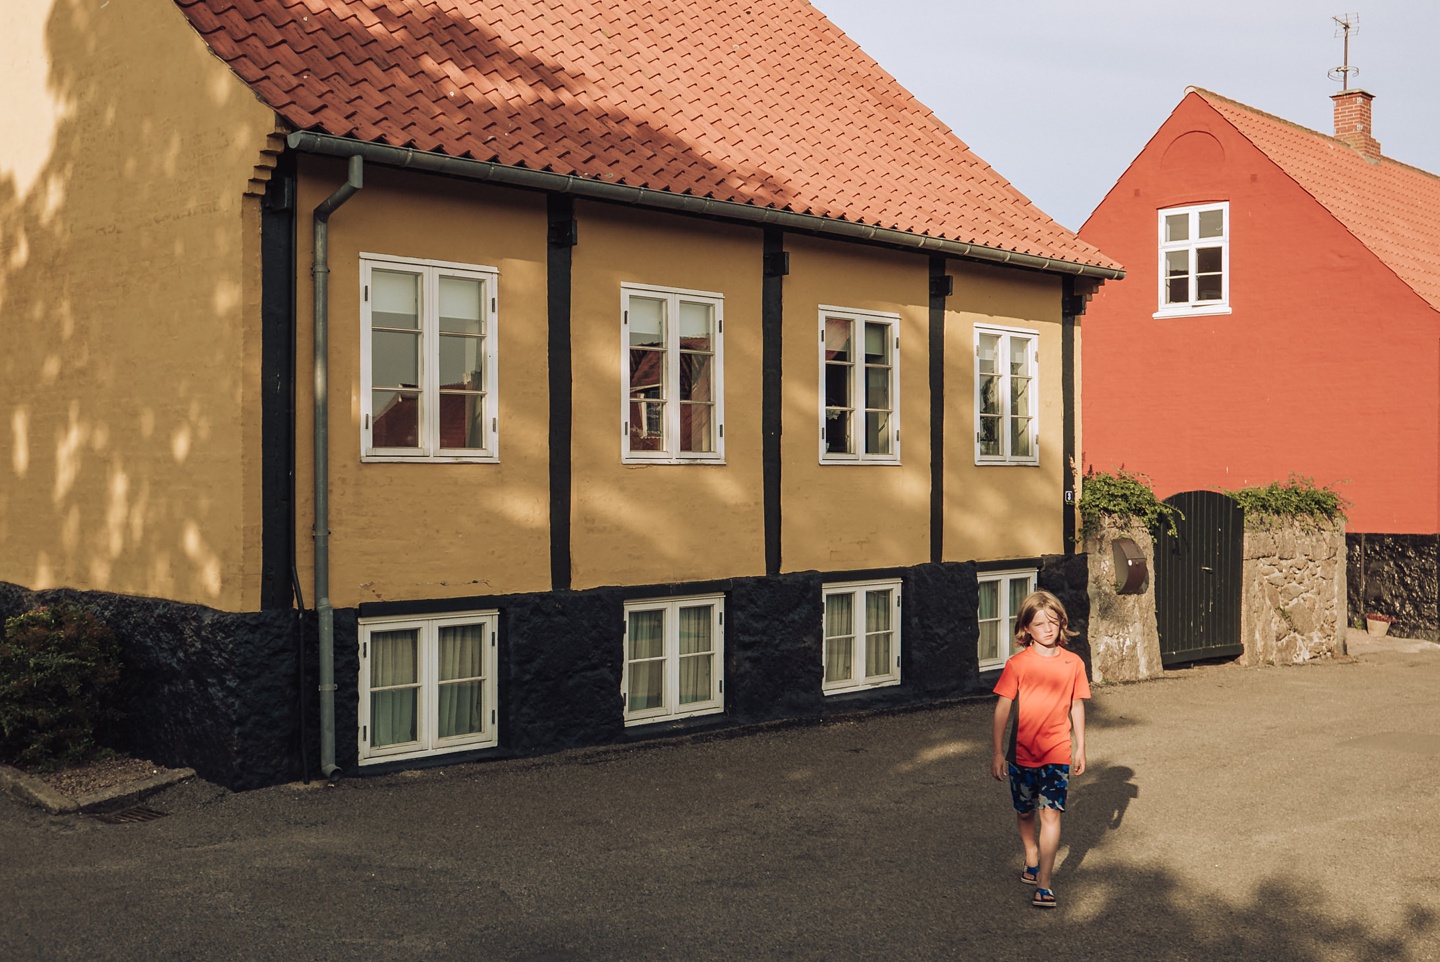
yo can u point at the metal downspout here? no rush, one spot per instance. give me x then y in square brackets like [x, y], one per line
[324, 614]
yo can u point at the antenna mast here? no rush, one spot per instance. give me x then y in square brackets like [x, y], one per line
[1344, 24]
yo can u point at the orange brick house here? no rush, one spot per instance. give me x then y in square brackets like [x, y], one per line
[1282, 314]
[421, 382]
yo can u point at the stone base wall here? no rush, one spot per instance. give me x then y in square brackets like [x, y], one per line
[1293, 595]
[1396, 575]
[1124, 640]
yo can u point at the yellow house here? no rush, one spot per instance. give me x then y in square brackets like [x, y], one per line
[416, 382]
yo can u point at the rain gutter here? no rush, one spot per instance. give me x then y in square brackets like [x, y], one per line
[324, 613]
[407, 157]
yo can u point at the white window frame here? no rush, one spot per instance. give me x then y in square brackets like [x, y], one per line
[1006, 334]
[1006, 617]
[858, 680]
[429, 450]
[1192, 245]
[670, 423]
[428, 742]
[670, 707]
[857, 409]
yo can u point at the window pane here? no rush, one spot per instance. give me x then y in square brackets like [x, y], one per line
[839, 636]
[697, 427]
[1177, 227]
[1020, 589]
[462, 421]
[647, 322]
[647, 685]
[878, 659]
[990, 436]
[840, 658]
[462, 305]
[877, 387]
[462, 362]
[1207, 260]
[1177, 263]
[837, 432]
[395, 422]
[990, 395]
[395, 359]
[837, 385]
[877, 344]
[988, 352]
[837, 339]
[393, 657]
[696, 626]
[879, 609]
[647, 634]
[461, 707]
[461, 649]
[696, 325]
[393, 717]
[1212, 223]
[1020, 396]
[877, 432]
[647, 422]
[394, 665]
[696, 375]
[395, 300]
[1020, 438]
[989, 600]
[1019, 355]
[1208, 287]
[695, 679]
[989, 647]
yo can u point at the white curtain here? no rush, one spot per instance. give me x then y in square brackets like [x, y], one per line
[645, 663]
[839, 636]
[878, 633]
[461, 704]
[394, 687]
[696, 654]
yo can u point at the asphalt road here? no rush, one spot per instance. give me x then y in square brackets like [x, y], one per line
[1275, 813]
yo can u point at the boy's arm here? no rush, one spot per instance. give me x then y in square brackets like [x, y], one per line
[997, 737]
[1077, 724]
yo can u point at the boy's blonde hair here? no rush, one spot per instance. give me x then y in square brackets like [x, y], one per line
[1034, 603]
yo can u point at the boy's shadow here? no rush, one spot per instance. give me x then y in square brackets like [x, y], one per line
[1100, 804]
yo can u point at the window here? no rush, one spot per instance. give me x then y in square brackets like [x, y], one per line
[428, 361]
[1194, 260]
[862, 636]
[674, 659]
[673, 399]
[1007, 366]
[427, 685]
[859, 377]
[1001, 593]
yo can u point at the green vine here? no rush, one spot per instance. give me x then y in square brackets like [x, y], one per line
[1298, 498]
[1126, 496]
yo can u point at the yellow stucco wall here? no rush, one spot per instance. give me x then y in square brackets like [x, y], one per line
[846, 516]
[995, 512]
[402, 531]
[658, 523]
[129, 305]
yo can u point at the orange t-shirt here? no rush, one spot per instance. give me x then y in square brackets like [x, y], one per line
[1043, 688]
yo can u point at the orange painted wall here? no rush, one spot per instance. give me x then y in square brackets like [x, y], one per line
[1328, 365]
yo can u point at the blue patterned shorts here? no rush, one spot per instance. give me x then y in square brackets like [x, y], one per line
[1043, 787]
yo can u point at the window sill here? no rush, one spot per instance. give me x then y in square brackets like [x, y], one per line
[875, 462]
[1193, 312]
[429, 459]
[990, 463]
[415, 755]
[869, 686]
[673, 716]
[632, 460]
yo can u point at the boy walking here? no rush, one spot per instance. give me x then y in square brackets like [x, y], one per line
[1047, 683]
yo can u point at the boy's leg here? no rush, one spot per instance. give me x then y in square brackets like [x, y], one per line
[1049, 845]
[1026, 822]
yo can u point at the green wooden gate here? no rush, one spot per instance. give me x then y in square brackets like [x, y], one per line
[1198, 579]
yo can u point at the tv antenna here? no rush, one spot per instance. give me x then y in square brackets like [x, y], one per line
[1345, 24]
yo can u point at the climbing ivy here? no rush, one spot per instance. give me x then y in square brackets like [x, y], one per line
[1298, 498]
[1125, 496]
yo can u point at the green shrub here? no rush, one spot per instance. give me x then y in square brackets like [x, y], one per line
[1127, 496]
[59, 668]
[1299, 498]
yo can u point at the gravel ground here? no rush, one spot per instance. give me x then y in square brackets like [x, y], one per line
[99, 774]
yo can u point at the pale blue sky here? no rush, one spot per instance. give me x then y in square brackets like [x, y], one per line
[1060, 95]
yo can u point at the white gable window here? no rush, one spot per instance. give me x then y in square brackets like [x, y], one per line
[427, 356]
[1007, 370]
[427, 685]
[862, 636]
[1001, 593]
[859, 386]
[1195, 260]
[674, 659]
[673, 407]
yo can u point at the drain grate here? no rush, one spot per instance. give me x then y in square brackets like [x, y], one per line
[138, 813]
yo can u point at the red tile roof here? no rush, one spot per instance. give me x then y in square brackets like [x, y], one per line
[1392, 208]
[762, 102]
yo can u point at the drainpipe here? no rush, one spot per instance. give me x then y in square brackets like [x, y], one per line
[324, 613]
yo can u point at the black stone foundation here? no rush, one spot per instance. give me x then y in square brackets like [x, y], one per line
[221, 692]
[1396, 575]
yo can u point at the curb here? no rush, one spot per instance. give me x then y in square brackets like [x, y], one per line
[30, 789]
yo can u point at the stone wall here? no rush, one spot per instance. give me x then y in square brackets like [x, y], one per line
[1293, 595]
[1397, 575]
[1124, 641]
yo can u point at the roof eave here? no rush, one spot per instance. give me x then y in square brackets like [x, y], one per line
[314, 142]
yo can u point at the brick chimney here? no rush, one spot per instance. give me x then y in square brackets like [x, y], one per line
[1352, 121]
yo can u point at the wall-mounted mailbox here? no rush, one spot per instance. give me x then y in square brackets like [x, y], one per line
[1130, 568]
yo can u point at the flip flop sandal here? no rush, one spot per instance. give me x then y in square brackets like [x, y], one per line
[1031, 876]
[1044, 899]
